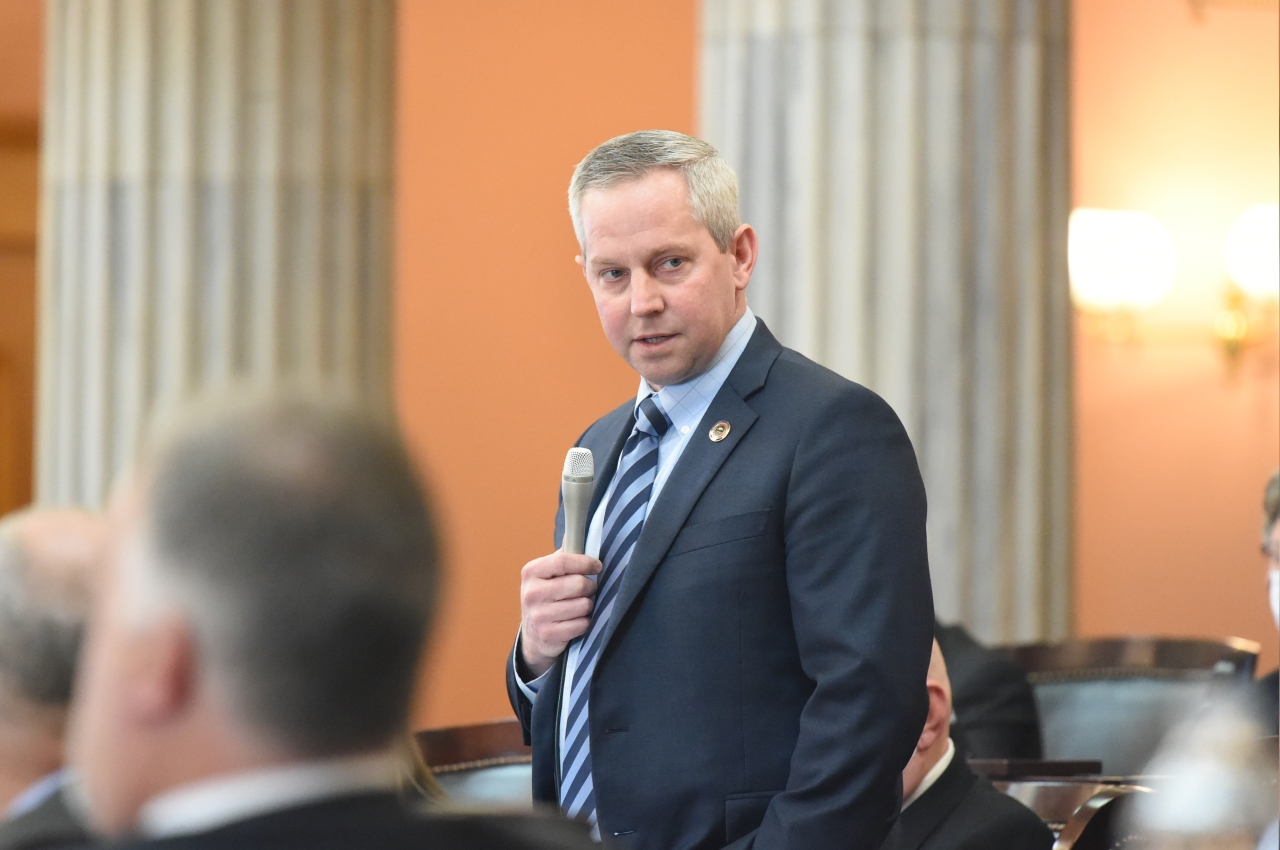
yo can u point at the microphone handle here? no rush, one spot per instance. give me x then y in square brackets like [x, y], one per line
[576, 494]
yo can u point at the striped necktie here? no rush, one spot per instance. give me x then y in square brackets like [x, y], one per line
[623, 519]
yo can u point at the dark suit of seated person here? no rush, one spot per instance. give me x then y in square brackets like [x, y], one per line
[47, 561]
[1267, 688]
[996, 715]
[248, 672]
[947, 806]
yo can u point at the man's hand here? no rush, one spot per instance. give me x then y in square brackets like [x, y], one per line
[555, 606]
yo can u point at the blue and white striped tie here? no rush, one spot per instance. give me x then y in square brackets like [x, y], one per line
[623, 519]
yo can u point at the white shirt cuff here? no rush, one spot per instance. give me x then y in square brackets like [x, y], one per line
[529, 689]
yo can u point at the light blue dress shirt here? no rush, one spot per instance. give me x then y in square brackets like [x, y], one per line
[37, 792]
[685, 405]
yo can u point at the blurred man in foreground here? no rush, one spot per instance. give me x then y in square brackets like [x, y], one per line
[270, 579]
[47, 559]
[946, 806]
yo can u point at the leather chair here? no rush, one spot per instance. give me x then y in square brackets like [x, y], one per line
[485, 765]
[1114, 699]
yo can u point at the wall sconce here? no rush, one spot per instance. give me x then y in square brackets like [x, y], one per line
[1121, 263]
[1252, 293]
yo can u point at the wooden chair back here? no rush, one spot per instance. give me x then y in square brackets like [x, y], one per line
[484, 764]
[1114, 699]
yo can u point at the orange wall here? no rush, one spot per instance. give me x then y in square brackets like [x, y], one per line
[21, 55]
[1179, 118]
[500, 361]
[21, 40]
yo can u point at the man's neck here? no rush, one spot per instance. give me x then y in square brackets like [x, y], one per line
[28, 753]
[220, 800]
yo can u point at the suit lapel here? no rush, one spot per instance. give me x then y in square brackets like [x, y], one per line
[697, 465]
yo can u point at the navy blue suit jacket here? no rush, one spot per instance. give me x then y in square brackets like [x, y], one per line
[762, 681]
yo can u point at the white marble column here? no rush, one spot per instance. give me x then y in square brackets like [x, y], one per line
[906, 165]
[216, 205]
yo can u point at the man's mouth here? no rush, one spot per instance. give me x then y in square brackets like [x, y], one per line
[654, 340]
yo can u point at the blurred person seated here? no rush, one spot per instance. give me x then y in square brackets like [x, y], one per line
[1214, 785]
[47, 560]
[1268, 687]
[995, 708]
[270, 577]
[946, 806]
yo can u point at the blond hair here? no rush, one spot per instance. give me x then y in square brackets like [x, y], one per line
[711, 183]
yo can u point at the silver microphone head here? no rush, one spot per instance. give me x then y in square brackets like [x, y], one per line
[580, 465]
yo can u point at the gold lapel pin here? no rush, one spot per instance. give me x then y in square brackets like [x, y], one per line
[719, 431]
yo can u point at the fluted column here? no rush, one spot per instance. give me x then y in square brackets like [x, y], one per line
[216, 203]
[906, 165]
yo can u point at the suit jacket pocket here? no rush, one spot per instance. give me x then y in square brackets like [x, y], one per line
[745, 812]
[723, 530]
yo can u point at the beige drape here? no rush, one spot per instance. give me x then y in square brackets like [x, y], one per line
[906, 165]
[216, 202]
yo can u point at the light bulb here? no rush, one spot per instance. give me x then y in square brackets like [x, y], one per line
[1253, 252]
[1118, 259]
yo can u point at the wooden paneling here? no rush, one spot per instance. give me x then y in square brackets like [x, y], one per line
[18, 187]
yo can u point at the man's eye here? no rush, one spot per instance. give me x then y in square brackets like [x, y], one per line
[673, 263]
[613, 274]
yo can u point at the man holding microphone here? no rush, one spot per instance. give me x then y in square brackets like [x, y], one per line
[737, 659]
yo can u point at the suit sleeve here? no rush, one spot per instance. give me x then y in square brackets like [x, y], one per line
[858, 579]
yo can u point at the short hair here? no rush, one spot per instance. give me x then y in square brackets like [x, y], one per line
[297, 538]
[1270, 506]
[711, 183]
[42, 621]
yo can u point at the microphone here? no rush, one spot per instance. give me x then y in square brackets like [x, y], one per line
[576, 485]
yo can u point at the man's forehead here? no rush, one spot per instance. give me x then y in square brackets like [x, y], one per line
[640, 213]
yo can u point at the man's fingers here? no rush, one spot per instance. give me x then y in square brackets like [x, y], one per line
[568, 609]
[559, 634]
[538, 592]
[553, 610]
[560, 564]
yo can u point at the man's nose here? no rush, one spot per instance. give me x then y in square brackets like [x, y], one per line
[646, 296]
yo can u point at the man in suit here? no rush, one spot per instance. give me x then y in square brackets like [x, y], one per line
[749, 672]
[270, 577]
[996, 715]
[47, 559]
[949, 807]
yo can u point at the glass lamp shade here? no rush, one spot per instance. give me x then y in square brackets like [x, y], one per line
[1118, 260]
[1253, 252]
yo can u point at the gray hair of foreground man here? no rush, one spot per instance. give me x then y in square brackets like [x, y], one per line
[712, 185]
[297, 540]
[42, 617]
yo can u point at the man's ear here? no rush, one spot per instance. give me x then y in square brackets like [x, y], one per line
[163, 676]
[745, 249]
[938, 723]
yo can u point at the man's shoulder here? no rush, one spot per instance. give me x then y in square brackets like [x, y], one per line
[987, 818]
[48, 825]
[382, 822]
[802, 391]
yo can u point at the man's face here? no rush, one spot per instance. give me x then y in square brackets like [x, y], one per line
[667, 296]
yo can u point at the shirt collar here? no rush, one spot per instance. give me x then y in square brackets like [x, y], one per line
[685, 403]
[206, 805]
[37, 792]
